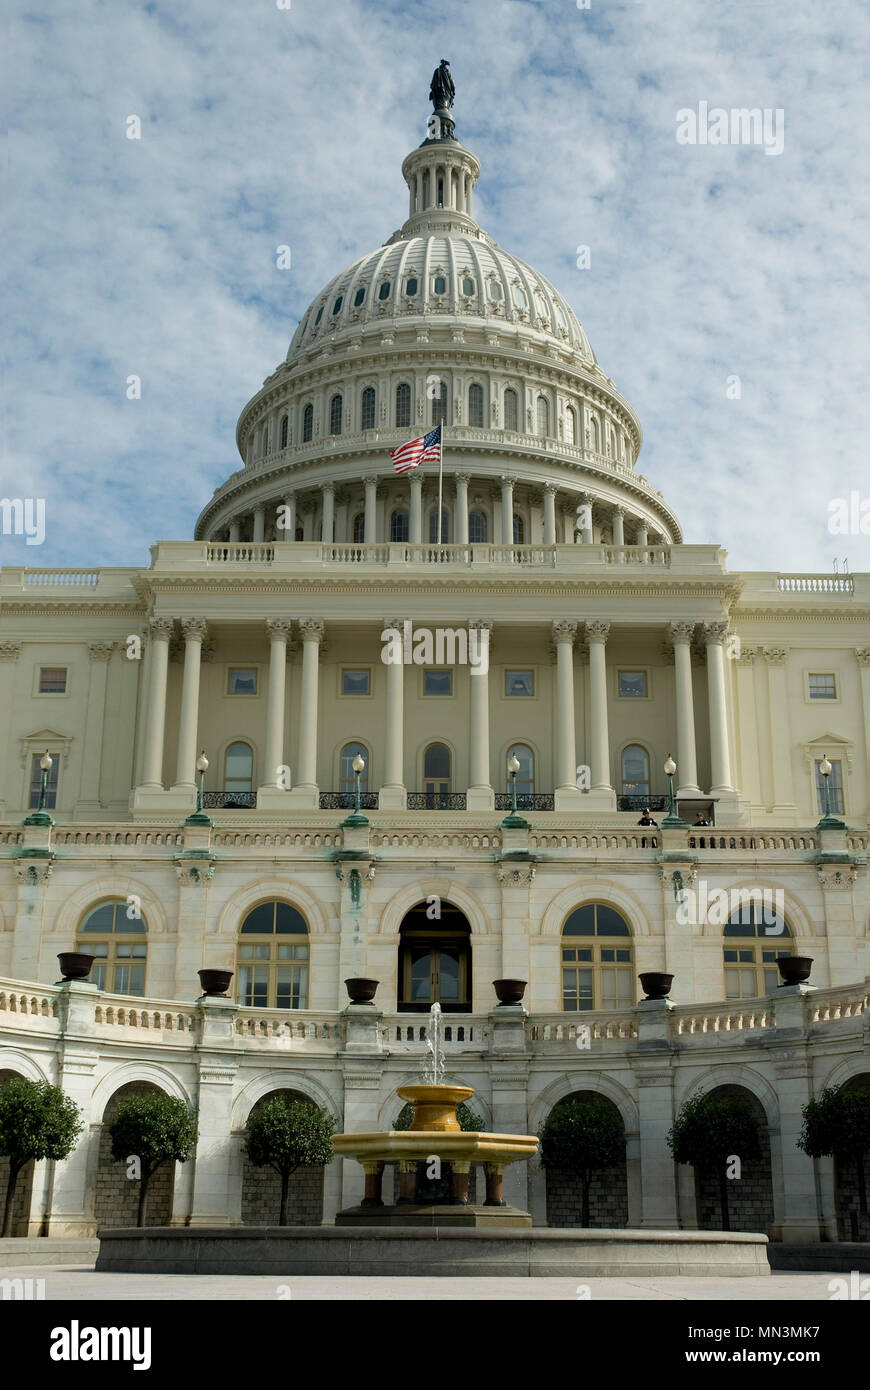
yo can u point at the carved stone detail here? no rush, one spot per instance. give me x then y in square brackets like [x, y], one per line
[714, 634]
[597, 631]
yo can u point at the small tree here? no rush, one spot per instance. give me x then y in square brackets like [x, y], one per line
[36, 1121]
[838, 1123]
[155, 1129]
[583, 1137]
[286, 1135]
[708, 1131]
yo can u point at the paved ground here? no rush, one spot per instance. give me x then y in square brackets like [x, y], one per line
[70, 1283]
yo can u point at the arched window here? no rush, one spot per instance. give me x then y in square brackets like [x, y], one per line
[284, 429]
[307, 423]
[635, 771]
[403, 405]
[120, 943]
[335, 409]
[436, 776]
[475, 406]
[273, 958]
[338, 303]
[439, 406]
[367, 417]
[439, 284]
[359, 296]
[477, 528]
[399, 526]
[359, 528]
[519, 530]
[526, 775]
[750, 969]
[570, 426]
[433, 526]
[239, 770]
[510, 409]
[384, 290]
[411, 286]
[597, 960]
[543, 417]
[594, 434]
[434, 961]
[346, 774]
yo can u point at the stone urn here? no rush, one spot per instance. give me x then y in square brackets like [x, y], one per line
[361, 991]
[75, 965]
[509, 991]
[794, 970]
[655, 985]
[215, 982]
[435, 1106]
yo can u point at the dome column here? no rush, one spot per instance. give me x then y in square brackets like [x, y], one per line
[480, 795]
[235, 529]
[328, 527]
[306, 793]
[618, 526]
[259, 522]
[393, 795]
[567, 794]
[507, 509]
[550, 513]
[460, 523]
[290, 517]
[415, 527]
[371, 511]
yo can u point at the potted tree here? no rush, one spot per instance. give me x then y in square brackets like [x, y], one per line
[36, 1121]
[154, 1129]
[583, 1137]
[708, 1130]
[285, 1135]
[838, 1123]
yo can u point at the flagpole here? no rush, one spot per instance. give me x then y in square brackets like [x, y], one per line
[440, 482]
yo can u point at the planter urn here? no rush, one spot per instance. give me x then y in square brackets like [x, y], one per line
[794, 970]
[75, 965]
[361, 991]
[215, 983]
[509, 991]
[655, 985]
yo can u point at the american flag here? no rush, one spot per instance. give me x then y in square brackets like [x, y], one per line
[426, 449]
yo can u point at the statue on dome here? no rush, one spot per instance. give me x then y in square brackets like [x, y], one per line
[442, 91]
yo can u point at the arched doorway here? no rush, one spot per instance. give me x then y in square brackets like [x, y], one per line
[434, 959]
[116, 1197]
[852, 1223]
[261, 1187]
[750, 1200]
[21, 1209]
[608, 1195]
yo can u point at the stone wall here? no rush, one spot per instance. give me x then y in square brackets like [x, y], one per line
[608, 1198]
[261, 1196]
[852, 1223]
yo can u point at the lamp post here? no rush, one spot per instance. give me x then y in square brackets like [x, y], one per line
[357, 818]
[672, 819]
[40, 816]
[828, 820]
[513, 818]
[199, 817]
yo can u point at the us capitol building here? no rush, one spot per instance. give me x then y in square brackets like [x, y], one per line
[609, 646]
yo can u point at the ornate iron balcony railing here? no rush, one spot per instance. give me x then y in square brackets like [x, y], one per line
[526, 801]
[346, 801]
[436, 801]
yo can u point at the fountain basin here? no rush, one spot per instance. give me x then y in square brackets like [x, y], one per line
[409, 1144]
[435, 1106]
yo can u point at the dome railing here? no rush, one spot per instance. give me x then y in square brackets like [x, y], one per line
[287, 555]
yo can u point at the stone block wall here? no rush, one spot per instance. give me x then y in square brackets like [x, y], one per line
[261, 1196]
[608, 1198]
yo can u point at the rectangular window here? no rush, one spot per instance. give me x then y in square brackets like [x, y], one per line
[241, 681]
[36, 782]
[437, 682]
[356, 682]
[822, 686]
[52, 680]
[519, 683]
[835, 787]
[632, 685]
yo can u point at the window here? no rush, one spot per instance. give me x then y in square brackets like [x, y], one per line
[403, 405]
[307, 423]
[570, 425]
[319, 316]
[469, 287]
[346, 774]
[384, 291]
[437, 683]
[411, 286]
[399, 526]
[599, 974]
[510, 409]
[433, 526]
[635, 771]
[496, 293]
[241, 680]
[439, 285]
[359, 296]
[239, 769]
[367, 418]
[751, 970]
[543, 417]
[273, 958]
[477, 528]
[356, 682]
[338, 303]
[284, 429]
[520, 683]
[335, 409]
[439, 406]
[475, 406]
[631, 685]
[434, 961]
[36, 781]
[526, 776]
[436, 773]
[52, 680]
[519, 530]
[359, 528]
[520, 297]
[835, 786]
[120, 944]
[300, 533]
[822, 687]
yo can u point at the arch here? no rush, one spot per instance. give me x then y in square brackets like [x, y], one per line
[284, 889]
[598, 1082]
[308, 423]
[336, 407]
[600, 890]
[434, 960]
[438, 761]
[731, 1074]
[634, 769]
[403, 405]
[750, 1202]
[263, 1084]
[20, 1064]
[115, 1196]
[475, 405]
[368, 408]
[99, 890]
[434, 538]
[238, 767]
[519, 529]
[441, 887]
[260, 1195]
[346, 775]
[525, 755]
[795, 913]
[125, 1074]
[608, 1194]
[22, 1204]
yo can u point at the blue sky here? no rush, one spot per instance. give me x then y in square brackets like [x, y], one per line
[264, 126]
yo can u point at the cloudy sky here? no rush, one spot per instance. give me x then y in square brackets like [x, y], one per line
[263, 126]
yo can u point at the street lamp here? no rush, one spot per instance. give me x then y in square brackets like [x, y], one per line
[672, 818]
[357, 818]
[199, 817]
[513, 818]
[40, 816]
[828, 820]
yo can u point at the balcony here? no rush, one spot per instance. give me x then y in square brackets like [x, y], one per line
[436, 801]
[346, 801]
[229, 801]
[526, 801]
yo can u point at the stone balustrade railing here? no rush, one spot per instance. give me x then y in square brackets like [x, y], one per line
[581, 1029]
[287, 1027]
[155, 1016]
[407, 1032]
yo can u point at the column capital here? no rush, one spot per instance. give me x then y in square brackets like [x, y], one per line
[194, 629]
[328, 487]
[161, 629]
[482, 624]
[862, 656]
[564, 631]
[101, 651]
[10, 651]
[312, 629]
[681, 633]
[775, 656]
[462, 479]
[552, 488]
[394, 623]
[597, 631]
[279, 628]
[714, 634]
[619, 510]
[507, 479]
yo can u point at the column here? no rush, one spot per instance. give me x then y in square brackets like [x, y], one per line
[586, 530]
[160, 630]
[234, 532]
[507, 509]
[328, 528]
[599, 751]
[460, 524]
[370, 511]
[550, 513]
[565, 757]
[305, 790]
[259, 521]
[279, 630]
[862, 656]
[9, 654]
[680, 634]
[415, 521]
[480, 795]
[642, 536]
[720, 756]
[194, 630]
[618, 526]
[393, 795]
[101, 653]
[780, 734]
[655, 1104]
[289, 532]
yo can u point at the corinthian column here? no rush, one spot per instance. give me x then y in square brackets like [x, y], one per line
[599, 750]
[461, 522]
[194, 630]
[680, 635]
[415, 523]
[481, 796]
[507, 509]
[160, 630]
[370, 533]
[279, 630]
[720, 755]
[550, 513]
[393, 795]
[565, 757]
[305, 790]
